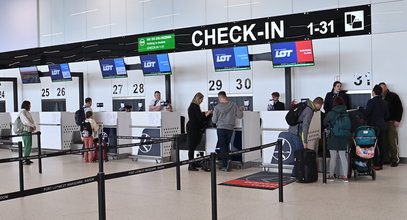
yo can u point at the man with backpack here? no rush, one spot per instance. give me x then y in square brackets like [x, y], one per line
[80, 114]
[299, 118]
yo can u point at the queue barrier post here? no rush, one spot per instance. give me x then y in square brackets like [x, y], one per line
[213, 187]
[280, 170]
[101, 181]
[39, 152]
[20, 166]
[324, 156]
[178, 170]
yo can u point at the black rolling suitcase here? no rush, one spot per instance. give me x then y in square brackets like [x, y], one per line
[306, 165]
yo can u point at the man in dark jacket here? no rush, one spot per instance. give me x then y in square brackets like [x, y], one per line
[392, 122]
[377, 112]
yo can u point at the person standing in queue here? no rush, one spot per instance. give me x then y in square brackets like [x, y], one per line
[395, 115]
[299, 132]
[336, 91]
[195, 126]
[224, 116]
[377, 112]
[337, 145]
[28, 127]
[88, 139]
[156, 104]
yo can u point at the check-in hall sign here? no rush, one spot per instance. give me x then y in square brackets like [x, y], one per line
[309, 25]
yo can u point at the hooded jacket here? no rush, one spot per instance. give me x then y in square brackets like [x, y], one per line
[334, 142]
[225, 114]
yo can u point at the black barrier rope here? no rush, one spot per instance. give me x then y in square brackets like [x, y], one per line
[8, 143]
[19, 135]
[141, 138]
[48, 188]
[67, 152]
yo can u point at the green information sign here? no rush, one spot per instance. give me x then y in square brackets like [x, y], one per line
[153, 43]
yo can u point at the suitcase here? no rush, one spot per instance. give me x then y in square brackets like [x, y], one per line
[96, 156]
[306, 165]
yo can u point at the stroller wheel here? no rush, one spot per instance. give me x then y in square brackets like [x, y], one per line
[373, 175]
[355, 174]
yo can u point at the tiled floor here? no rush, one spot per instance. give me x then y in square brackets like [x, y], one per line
[154, 195]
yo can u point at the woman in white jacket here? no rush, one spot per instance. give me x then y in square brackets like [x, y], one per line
[28, 128]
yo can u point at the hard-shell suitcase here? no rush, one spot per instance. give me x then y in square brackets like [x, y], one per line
[306, 165]
[104, 153]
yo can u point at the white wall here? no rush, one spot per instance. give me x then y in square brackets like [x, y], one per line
[18, 24]
[381, 54]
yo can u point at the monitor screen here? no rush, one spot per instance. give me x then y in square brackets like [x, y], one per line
[290, 54]
[234, 58]
[154, 65]
[60, 72]
[115, 68]
[29, 75]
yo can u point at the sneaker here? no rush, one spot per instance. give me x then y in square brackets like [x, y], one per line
[25, 162]
[330, 178]
[345, 179]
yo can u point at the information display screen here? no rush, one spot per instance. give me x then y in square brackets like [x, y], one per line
[115, 68]
[60, 72]
[154, 65]
[234, 58]
[291, 54]
[29, 75]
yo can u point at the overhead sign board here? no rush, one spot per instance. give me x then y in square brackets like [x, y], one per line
[154, 43]
[341, 22]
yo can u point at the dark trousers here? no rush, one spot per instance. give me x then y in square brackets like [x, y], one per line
[381, 152]
[193, 140]
[224, 137]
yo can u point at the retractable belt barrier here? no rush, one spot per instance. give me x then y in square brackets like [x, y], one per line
[101, 177]
[67, 152]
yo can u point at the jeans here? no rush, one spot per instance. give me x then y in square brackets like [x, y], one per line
[224, 137]
[296, 145]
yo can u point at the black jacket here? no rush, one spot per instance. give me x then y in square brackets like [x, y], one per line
[279, 106]
[329, 98]
[195, 125]
[395, 106]
[377, 112]
[197, 119]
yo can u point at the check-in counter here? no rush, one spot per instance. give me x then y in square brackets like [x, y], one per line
[5, 127]
[56, 130]
[273, 123]
[246, 135]
[36, 118]
[154, 124]
[116, 124]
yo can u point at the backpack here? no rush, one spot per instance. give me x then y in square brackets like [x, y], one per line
[80, 116]
[294, 113]
[342, 125]
[86, 129]
[17, 126]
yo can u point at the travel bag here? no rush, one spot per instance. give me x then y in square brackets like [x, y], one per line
[306, 165]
